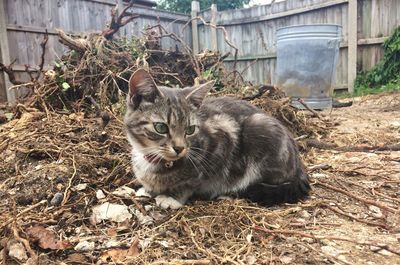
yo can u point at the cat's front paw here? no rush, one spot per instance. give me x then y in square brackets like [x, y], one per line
[166, 202]
[142, 193]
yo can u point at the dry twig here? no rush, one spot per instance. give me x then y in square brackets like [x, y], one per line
[117, 20]
[43, 46]
[366, 201]
[11, 75]
[43, 202]
[34, 257]
[336, 238]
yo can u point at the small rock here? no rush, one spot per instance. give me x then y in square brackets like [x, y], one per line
[342, 258]
[251, 259]
[375, 211]
[300, 220]
[291, 239]
[319, 175]
[249, 237]
[148, 207]
[381, 251]
[100, 194]
[124, 192]
[84, 246]
[286, 259]
[59, 186]
[157, 215]
[304, 214]
[38, 167]
[112, 243]
[163, 243]
[394, 125]
[17, 251]
[57, 199]
[331, 251]
[145, 243]
[110, 211]
[81, 186]
[308, 240]
[143, 219]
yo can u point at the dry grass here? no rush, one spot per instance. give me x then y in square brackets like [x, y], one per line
[351, 217]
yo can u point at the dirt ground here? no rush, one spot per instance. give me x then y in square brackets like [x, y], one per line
[351, 217]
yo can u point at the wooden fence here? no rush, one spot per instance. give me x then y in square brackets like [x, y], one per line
[366, 24]
[23, 24]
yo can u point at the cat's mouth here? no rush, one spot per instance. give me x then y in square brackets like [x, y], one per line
[156, 159]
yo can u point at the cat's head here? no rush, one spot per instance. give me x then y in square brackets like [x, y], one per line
[160, 121]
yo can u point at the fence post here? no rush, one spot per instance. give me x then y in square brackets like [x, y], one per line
[214, 13]
[195, 33]
[5, 94]
[352, 44]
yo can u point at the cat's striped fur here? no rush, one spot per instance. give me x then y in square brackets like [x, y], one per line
[236, 149]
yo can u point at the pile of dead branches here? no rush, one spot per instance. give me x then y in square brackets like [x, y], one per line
[92, 76]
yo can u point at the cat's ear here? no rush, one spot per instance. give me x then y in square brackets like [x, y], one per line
[195, 95]
[142, 87]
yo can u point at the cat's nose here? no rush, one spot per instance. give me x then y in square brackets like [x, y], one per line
[178, 149]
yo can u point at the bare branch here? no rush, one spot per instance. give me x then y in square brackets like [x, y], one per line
[43, 46]
[117, 21]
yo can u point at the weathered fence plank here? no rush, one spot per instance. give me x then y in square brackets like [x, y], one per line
[5, 94]
[25, 23]
[252, 30]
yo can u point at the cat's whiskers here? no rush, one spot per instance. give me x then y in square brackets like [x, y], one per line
[205, 151]
[202, 160]
[191, 161]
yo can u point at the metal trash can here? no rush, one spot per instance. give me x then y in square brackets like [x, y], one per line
[306, 63]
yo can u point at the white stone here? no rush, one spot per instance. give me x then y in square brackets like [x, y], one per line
[124, 192]
[112, 243]
[286, 259]
[84, 246]
[330, 251]
[319, 175]
[148, 207]
[110, 211]
[80, 187]
[17, 251]
[163, 243]
[100, 194]
[249, 237]
[375, 211]
[143, 219]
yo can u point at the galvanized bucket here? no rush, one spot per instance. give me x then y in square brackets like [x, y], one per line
[306, 63]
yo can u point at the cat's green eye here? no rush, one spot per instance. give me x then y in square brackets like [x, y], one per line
[160, 127]
[190, 130]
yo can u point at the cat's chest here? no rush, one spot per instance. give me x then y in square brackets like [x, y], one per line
[156, 177]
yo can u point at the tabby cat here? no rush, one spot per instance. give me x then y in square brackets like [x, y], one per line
[185, 146]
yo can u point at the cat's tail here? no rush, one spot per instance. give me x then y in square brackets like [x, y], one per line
[290, 192]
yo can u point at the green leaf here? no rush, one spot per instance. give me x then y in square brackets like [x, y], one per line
[65, 86]
[59, 64]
